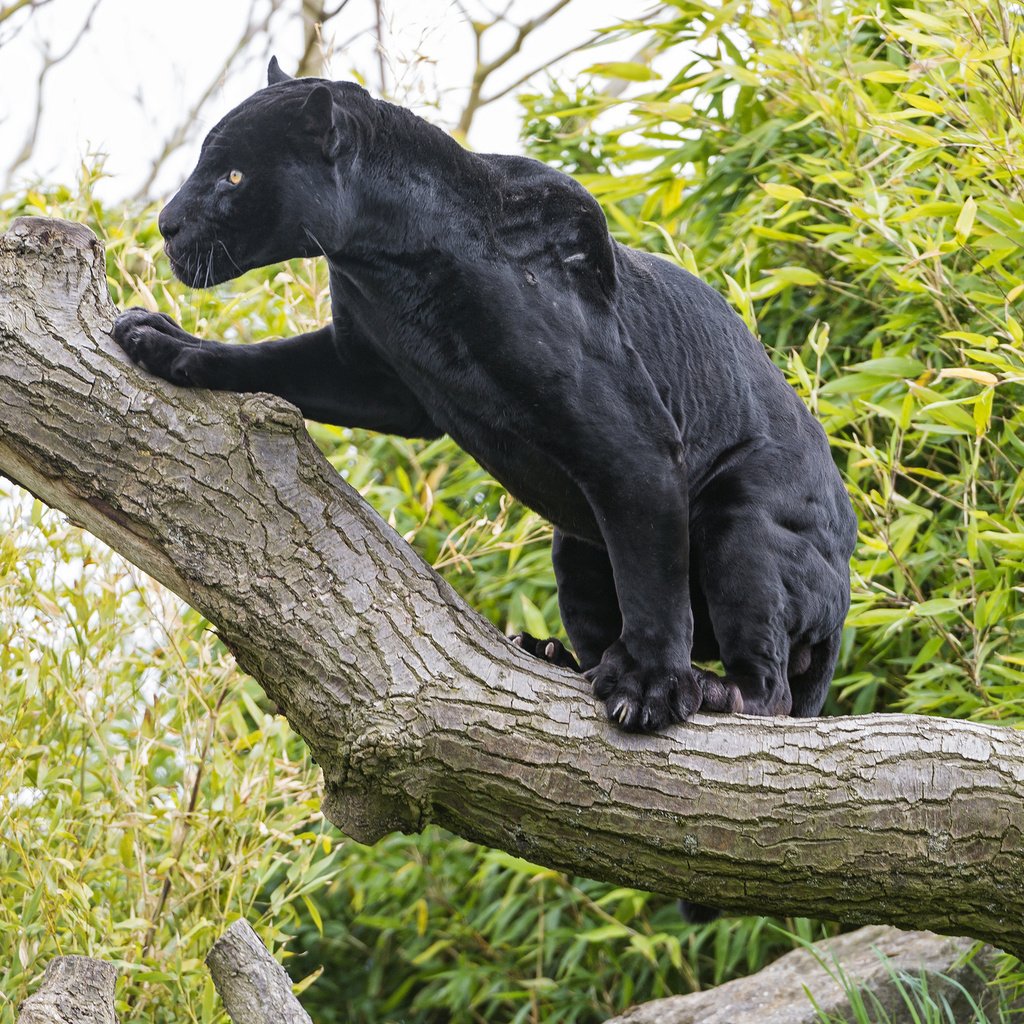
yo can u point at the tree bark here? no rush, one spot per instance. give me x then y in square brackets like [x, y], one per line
[253, 986]
[74, 990]
[419, 711]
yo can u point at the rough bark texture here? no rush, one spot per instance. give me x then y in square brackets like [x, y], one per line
[419, 711]
[254, 987]
[74, 990]
[868, 960]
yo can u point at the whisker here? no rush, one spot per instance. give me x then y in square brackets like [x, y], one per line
[227, 253]
[315, 239]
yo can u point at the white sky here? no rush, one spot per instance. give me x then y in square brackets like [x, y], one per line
[143, 63]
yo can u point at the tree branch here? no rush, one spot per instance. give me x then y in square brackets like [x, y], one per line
[254, 987]
[74, 990]
[10, 10]
[475, 101]
[418, 710]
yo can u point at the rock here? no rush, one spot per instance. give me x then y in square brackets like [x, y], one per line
[867, 959]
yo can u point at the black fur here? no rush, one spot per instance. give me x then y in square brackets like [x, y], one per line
[697, 511]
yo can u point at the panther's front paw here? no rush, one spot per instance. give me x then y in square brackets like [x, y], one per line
[644, 697]
[550, 650]
[157, 344]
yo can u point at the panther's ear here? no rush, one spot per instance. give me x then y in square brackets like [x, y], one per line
[317, 117]
[275, 74]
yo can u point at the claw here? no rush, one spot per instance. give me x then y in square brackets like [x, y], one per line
[549, 651]
[517, 641]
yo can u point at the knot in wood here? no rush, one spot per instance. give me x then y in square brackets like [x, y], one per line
[269, 411]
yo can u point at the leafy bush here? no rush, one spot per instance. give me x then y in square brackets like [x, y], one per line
[431, 928]
[849, 175]
[144, 795]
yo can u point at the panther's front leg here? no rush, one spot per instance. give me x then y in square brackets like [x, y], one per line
[329, 374]
[645, 677]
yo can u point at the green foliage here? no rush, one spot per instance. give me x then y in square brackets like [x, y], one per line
[919, 1000]
[849, 175]
[145, 797]
[432, 928]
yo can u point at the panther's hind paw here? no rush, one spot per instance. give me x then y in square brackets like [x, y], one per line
[550, 650]
[720, 696]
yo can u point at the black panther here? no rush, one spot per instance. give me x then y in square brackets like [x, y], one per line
[698, 514]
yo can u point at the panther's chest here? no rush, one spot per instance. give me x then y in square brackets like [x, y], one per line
[528, 472]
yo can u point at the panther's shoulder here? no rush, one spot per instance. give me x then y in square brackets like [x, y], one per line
[544, 215]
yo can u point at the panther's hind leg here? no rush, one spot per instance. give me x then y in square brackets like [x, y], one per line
[810, 686]
[747, 603]
[586, 597]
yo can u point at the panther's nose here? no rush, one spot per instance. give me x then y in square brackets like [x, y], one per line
[169, 223]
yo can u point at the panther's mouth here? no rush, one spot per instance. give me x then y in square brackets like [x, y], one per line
[184, 265]
[199, 266]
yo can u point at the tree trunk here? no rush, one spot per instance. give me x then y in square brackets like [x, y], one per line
[419, 711]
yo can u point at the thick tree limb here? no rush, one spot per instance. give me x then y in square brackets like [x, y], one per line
[254, 987]
[74, 990]
[418, 710]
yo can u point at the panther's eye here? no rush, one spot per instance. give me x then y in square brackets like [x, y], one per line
[235, 177]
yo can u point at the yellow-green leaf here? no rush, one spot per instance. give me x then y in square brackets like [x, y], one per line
[983, 411]
[924, 103]
[965, 221]
[928, 21]
[627, 69]
[965, 373]
[788, 193]
[796, 275]
[893, 77]
[533, 619]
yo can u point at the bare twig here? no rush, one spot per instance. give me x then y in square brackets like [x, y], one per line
[180, 135]
[382, 71]
[484, 69]
[49, 63]
[9, 10]
[523, 79]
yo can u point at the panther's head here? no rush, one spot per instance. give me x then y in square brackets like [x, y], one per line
[273, 181]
